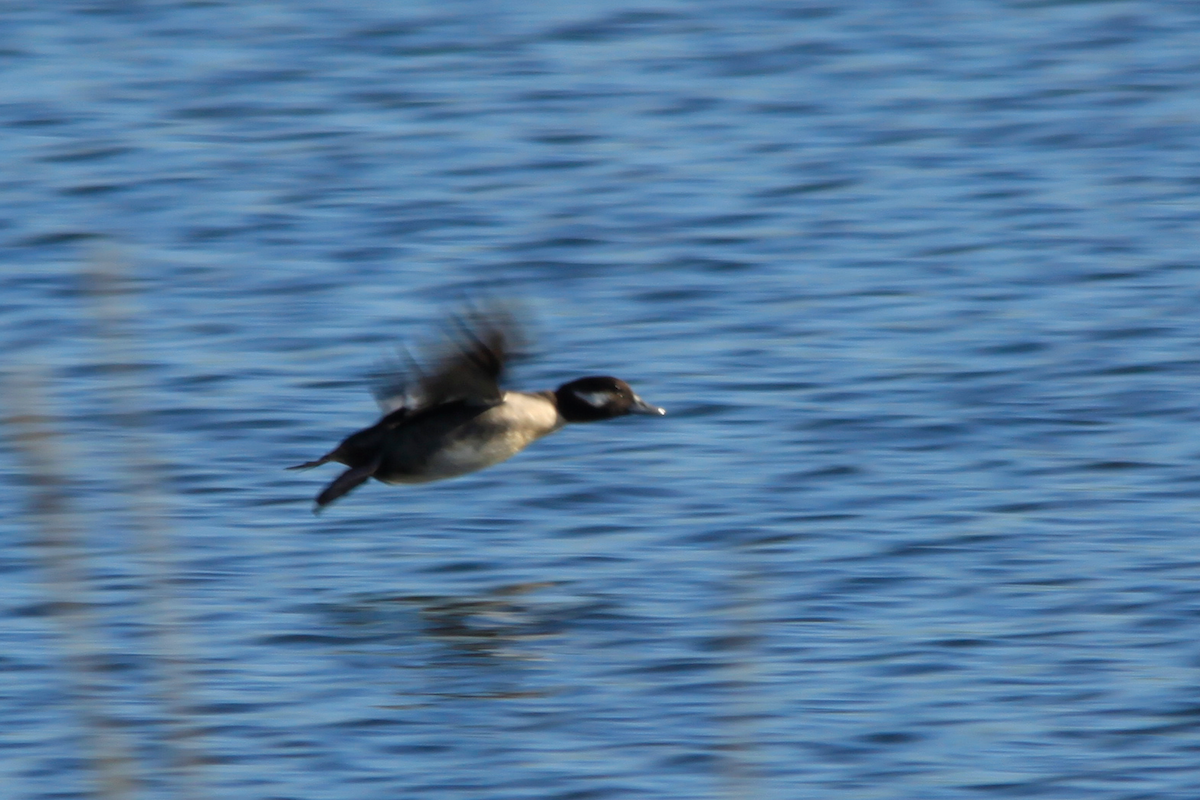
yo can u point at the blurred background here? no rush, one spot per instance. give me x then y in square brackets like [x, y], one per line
[916, 281]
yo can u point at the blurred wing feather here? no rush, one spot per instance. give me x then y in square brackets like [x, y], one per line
[467, 369]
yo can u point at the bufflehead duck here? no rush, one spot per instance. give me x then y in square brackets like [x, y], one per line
[456, 419]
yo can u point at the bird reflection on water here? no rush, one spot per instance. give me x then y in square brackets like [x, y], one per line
[494, 623]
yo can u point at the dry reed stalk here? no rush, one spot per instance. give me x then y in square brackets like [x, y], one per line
[110, 291]
[57, 541]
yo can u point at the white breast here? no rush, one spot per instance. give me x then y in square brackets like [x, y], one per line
[495, 435]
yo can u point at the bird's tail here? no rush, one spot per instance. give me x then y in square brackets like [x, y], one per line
[332, 455]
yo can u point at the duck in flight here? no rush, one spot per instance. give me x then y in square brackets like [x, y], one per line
[455, 418]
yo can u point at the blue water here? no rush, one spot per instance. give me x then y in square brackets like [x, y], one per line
[917, 282]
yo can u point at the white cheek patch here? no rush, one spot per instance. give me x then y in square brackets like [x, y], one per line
[593, 399]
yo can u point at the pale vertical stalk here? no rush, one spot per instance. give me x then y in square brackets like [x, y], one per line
[143, 473]
[56, 540]
[740, 770]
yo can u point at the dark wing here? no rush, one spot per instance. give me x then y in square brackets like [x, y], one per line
[467, 368]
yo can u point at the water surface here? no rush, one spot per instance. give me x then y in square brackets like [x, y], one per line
[917, 283]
